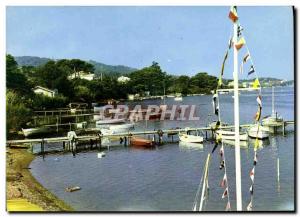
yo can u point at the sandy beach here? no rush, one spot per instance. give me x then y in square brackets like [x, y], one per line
[23, 192]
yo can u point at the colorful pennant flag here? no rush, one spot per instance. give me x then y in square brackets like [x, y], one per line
[220, 82]
[258, 99]
[246, 58]
[240, 43]
[239, 30]
[251, 189]
[252, 174]
[228, 207]
[258, 114]
[256, 144]
[251, 70]
[225, 193]
[224, 181]
[215, 104]
[249, 207]
[255, 159]
[256, 83]
[221, 151]
[223, 64]
[230, 42]
[222, 164]
[233, 14]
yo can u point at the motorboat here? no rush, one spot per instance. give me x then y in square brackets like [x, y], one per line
[258, 131]
[110, 121]
[121, 127]
[178, 98]
[185, 137]
[34, 131]
[230, 135]
[141, 142]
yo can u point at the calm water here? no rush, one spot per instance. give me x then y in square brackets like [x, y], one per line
[167, 178]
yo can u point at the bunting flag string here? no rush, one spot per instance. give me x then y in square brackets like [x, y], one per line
[258, 114]
[251, 70]
[256, 83]
[224, 181]
[215, 104]
[245, 59]
[239, 30]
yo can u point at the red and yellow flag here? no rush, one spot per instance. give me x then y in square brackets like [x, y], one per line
[233, 14]
[240, 43]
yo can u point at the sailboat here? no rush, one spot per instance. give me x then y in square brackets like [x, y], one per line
[274, 119]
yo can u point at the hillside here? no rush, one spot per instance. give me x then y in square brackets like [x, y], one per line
[99, 67]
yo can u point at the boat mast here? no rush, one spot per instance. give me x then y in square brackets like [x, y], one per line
[273, 108]
[237, 123]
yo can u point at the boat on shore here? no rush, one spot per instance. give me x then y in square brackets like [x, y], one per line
[230, 135]
[141, 142]
[258, 131]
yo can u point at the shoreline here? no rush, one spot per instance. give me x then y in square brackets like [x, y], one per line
[22, 186]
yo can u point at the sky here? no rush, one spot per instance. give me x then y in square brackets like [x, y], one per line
[183, 40]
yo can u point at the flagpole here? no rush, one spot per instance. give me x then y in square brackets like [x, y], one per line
[237, 123]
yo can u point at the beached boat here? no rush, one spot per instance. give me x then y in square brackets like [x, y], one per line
[184, 137]
[35, 131]
[110, 121]
[230, 135]
[141, 142]
[257, 130]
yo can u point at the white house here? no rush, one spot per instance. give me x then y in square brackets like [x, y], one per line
[82, 75]
[44, 91]
[123, 79]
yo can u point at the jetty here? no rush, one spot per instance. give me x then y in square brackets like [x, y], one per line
[96, 139]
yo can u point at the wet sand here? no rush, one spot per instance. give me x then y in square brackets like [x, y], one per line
[23, 192]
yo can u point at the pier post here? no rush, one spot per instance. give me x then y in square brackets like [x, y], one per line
[64, 145]
[43, 148]
[100, 142]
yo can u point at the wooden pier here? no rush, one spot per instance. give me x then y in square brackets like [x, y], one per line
[96, 140]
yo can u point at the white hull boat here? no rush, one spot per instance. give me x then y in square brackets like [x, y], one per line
[121, 127]
[34, 131]
[110, 121]
[178, 98]
[184, 137]
[230, 135]
[258, 131]
[272, 121]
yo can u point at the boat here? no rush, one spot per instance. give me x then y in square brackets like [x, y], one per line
[72, 189]
[230, 135]
[34, 131]
[274, 119]
[101, 154]
[110, 121]
[121, 127]
[178, 98]
[258, 131]
[141, 142]
[185, 137]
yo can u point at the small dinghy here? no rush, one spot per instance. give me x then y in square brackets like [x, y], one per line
[186, 138]
[141, 142]
[230, 135]
[72, 189]
[101, 154]
[258, 131]
[110, 121]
